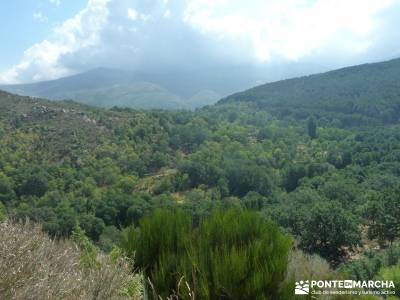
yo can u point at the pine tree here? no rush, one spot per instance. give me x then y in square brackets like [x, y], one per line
[312, 127]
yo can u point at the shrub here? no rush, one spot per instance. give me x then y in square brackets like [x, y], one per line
[231, 255]
[159, 247]
[239, 256]
[3, 212]
[391, 273]
[303, 266]
[32, 266]
[371, 262]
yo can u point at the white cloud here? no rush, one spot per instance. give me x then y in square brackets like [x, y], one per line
[42, 61]
[164, 35]
[38, 16]
[134, 15]
[56, 2]
[289, 29]
[167, 13]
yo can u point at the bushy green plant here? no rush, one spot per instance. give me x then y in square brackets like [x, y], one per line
[238, 255]
[3, 212]
[391, 273]
[88, 250]
[158, 247]
[231, 255]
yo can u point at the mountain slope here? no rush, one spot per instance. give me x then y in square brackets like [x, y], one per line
[62, 163]
[370, 90]
[109, 87]
[174, 89]
[143, 95]
[103, 87]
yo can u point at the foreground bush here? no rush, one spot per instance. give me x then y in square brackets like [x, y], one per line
[32, 266]
[391, 273]
[371, 263]
[231, 255]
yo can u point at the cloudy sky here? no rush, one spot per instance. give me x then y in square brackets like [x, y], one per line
[47, 39]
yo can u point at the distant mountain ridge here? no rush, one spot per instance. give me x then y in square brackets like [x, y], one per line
[371, 90]
[110, 87]
[177, 89]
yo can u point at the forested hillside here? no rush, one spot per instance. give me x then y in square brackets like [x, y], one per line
[289, 152]
[357, 95]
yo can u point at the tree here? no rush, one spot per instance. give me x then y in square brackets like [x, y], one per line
[293, 174]
[244, 177]
[312, 127]
[110, 237]
[254, 201]
[35, 185]
[7, 193]
[92, 226]
[383, 213]
[328, 229]
[63, 222]
[137, 210]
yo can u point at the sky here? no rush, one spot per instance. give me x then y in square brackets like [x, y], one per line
[48, 39]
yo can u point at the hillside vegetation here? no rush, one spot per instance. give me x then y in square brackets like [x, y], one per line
[328, 179]
[32, 266]
[368, 92]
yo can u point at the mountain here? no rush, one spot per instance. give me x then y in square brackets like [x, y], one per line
[170, 90]
[206, 97]
[144, 95]
[106, 88]
[109, 87]
[369, 90]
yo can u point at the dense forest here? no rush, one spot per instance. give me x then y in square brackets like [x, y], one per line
[303, 172]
